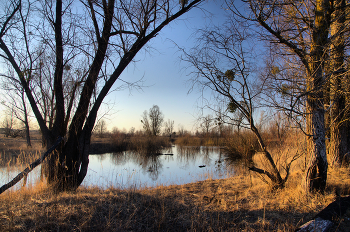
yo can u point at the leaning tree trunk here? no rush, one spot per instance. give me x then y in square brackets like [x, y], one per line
[316, 173]
[273, 174]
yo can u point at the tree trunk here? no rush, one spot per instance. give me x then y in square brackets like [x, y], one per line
[67, 166]
[338, 146]
[29, 143]
[275, 176]
[26, 122]
[316, 173]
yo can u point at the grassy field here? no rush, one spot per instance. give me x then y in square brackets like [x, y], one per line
[240, 203]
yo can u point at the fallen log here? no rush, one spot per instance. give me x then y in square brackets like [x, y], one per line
[30, 167]
[325, 219]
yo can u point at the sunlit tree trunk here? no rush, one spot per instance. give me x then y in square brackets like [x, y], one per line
[339, 128]
[313, 61]
[316, 173]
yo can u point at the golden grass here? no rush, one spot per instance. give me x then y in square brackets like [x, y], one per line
[16, 144]
[189, 140]
[14, 151]
[22, 158]
[119, 143]
[240, 203]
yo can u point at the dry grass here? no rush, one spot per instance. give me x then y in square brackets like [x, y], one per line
[121, 142]
[19, 144]
[189, 140]
[14, 151]
[240, 203]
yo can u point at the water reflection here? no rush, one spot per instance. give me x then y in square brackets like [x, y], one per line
[176, 165]
[12, 163]
[150, 164]
[187, 154]
[10, 172]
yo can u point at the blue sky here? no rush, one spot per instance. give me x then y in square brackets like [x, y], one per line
[164, 75]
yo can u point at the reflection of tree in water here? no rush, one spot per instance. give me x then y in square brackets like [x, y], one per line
[167, 150]
[151, 164]
[187, 154]
[235, 165]
[101, 157]
[120, 158]
[220, 163]
[190, 154]
[206, 152]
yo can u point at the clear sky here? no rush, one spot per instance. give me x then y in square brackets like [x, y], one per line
[165, 77]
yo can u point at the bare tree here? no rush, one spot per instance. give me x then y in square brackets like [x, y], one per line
[105, 35]
[8, 124]
[100, 128]
[222, 49]
[207, 123]
[145, 123]
[181, 130]
[152, 121]
[169, 127]
[15, 101]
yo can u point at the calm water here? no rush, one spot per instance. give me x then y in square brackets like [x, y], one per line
[131, 170]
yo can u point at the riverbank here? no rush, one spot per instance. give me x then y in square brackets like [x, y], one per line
[240, 203]
[13, 148]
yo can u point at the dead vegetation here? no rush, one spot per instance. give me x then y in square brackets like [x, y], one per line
[240, 203]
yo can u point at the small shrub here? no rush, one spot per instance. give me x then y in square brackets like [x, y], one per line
[149, 144]
[242, 145]
[188, 140]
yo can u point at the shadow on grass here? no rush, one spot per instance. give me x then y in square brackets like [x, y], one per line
[117, 210]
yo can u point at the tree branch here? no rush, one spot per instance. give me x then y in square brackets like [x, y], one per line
[3, 29]
[125, 32]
